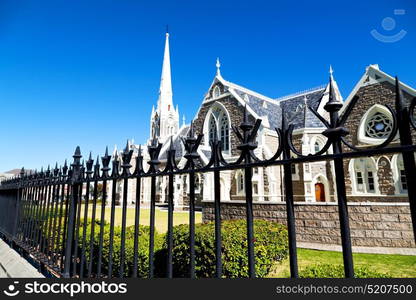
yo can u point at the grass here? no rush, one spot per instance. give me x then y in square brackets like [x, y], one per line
[161, 217]
[397, 266]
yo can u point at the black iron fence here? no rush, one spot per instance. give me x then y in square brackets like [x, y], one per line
[41, 215]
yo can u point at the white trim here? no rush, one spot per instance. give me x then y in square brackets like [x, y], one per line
[352, 171]
[206, 124]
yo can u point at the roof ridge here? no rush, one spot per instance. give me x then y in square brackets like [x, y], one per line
[248, 91]
[300, 93]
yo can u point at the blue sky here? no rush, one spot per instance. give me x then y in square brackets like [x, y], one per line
[87, 72]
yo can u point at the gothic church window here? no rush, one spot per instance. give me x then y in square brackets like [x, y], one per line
[365, 175]
[225, 133]
[216, 93]
[212, 129]
[218, 126]
[402, 180]
[376, 125]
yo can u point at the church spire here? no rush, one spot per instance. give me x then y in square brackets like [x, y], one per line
[164, 121]
[165, 90]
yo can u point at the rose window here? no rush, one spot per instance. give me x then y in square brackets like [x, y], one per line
[379, 126]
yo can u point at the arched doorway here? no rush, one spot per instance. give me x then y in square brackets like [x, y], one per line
[319, 192]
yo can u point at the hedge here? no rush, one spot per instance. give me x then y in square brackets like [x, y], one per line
[270, 244]
[143, 249]
[337, 271]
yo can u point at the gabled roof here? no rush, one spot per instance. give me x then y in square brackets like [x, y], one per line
[270, 110]
[373, 75]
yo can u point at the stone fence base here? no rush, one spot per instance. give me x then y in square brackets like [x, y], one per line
[372, 224]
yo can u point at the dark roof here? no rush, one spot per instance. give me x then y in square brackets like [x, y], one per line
[297, 112]
[177, 144]
[262, 107]
[294, 107]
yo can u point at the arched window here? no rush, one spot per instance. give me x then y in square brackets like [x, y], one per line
[402, 180]
[216, 93]
[240, 183]
[212, 129]
[365, 175]
[217, 126]
[376, 125]
[317, 147]
[225, 133]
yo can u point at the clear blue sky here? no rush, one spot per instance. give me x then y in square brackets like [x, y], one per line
[87, 72]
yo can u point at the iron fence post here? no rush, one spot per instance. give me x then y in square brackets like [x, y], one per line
[334, 134]
[404, 116]
[71, 214]
[290, 210]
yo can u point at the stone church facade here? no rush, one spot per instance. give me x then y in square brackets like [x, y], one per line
[376, 186]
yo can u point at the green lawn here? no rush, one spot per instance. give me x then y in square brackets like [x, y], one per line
[161, 217]
[395, 265]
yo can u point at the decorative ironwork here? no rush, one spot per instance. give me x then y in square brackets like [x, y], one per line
[27, 199]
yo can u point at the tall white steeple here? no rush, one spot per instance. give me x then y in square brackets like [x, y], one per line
[165, 90]
[165, 119]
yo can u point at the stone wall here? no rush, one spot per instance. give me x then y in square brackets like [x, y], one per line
[374, 225]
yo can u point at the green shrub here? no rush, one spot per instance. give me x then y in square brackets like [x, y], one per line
[337, 271]
[143, 249]
[270, 246]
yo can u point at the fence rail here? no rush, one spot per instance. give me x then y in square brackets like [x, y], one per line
[41, 213]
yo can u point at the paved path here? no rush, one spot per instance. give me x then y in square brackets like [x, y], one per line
[12, 265]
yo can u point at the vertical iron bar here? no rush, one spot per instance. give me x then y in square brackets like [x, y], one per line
[29, 206]
[343, 213]
[34, 215]
[65, 221]
[403, 119]
[192, 224]
[248, 174]
[290, 218]
[169, 266]
[123, 227]
[70, 230]
[52, 218]
[335, 134]
[217, 211]
[45, 221]
[152, 225]
[77, 226]
[41, 204]
[55, 220]
[102, 220]
[112, 219]
[84, 229]
[136, 225]
[92, 234]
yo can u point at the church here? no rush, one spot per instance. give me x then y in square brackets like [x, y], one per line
[368, 180]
